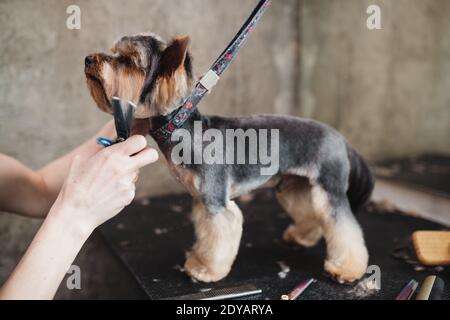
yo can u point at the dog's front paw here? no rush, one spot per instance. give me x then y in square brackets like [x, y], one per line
[348, 268]
[200, 271]
[308, 238]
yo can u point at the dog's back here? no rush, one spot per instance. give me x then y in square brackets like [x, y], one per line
[306, 148]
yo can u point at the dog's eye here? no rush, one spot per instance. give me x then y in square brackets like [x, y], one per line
[124, 60]
[107, 58]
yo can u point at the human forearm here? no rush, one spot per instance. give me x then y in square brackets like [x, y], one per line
[32, 193]
[48, 258]
[22, 190]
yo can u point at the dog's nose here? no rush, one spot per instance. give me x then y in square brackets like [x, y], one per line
[89, 60]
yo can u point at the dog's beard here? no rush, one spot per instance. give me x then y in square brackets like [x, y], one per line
[98, 93]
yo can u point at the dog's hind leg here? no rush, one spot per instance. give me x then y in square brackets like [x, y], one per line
[296, 199]
[347, 255]
[218, 237]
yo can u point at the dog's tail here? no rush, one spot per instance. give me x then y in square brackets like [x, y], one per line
[361, 181]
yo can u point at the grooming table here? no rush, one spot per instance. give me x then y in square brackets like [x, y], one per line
[152, 236]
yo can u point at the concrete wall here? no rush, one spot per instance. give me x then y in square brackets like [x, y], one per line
[386, 90]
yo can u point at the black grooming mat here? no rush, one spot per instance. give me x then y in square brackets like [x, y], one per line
[152, 236]
[428, 171]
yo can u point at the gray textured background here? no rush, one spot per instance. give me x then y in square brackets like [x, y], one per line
[387, 91]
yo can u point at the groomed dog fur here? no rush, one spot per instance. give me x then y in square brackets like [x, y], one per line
[320, 183]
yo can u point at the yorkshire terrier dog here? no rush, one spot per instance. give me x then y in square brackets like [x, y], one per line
[320, 182]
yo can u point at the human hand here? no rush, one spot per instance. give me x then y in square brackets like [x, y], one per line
[98, 188]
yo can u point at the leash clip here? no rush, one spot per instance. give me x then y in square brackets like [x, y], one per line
[209, 80]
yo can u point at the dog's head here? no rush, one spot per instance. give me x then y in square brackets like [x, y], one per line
[142, 69]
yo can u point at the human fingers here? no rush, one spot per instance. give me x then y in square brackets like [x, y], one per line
[144, 158]
[131, 146]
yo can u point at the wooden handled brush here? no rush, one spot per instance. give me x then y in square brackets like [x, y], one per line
[432, 247]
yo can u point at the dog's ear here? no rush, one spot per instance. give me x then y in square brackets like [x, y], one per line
[160, 85]
[174, 55]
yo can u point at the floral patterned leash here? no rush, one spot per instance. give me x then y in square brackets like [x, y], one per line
[210, 79]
